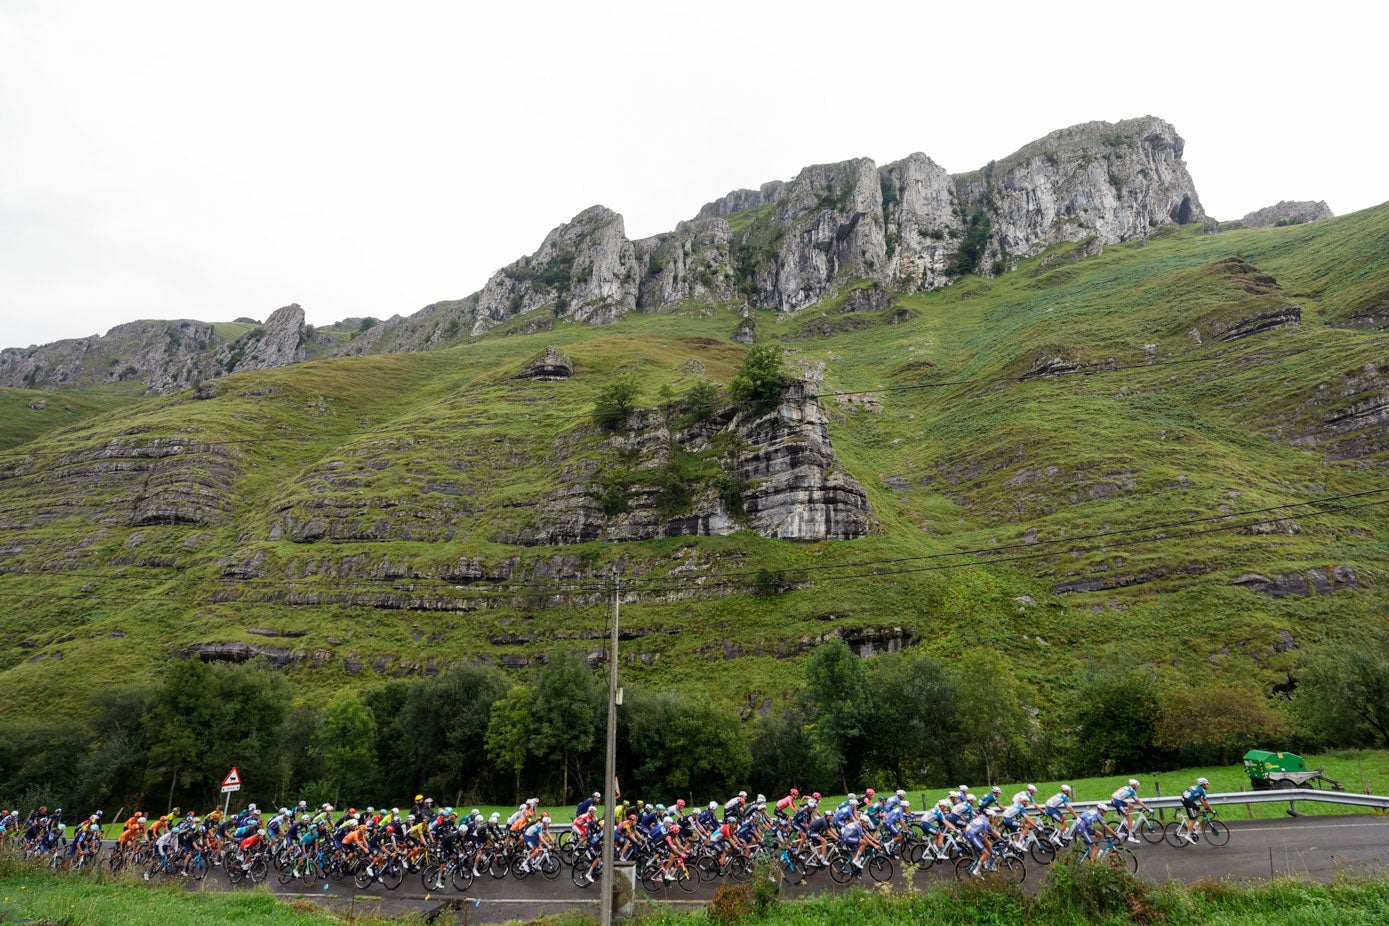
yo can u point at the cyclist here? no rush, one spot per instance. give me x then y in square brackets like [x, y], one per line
[1194, 801]
[589, 803]
[1085, 828]
[1121, 799]
[992, 798]
[980, 835]
[787, 805]
[536, 836]
[1056, 807]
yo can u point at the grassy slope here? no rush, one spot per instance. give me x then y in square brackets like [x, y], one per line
[951, 467]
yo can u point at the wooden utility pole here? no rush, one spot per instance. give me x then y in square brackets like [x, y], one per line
[610, 771]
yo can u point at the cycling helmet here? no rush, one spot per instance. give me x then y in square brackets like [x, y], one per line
[901, 793]
[141, 821]
[660, 808]
[1066, 789]
[164, 818]
[851, 796]
[815, 794]
[476, 812]
[429, 802]
[943, 802]
[94, 828]
[668, 819]
[1031, 789]
[743, 794]
[853, 802]
[534, 801]
[410, 818]
[251, 808]
[761, 798]
[1203, 782]
[906, 803]
[1104, 807]
[713, 805]
[996, 789]
[1133, 782]
[795, 793]
[812, 802]
[418, 798]
[992, 811]
[869, 793]
[545, 818]
[954, 795]
[680, 802]
[495, 817]
[351, 811]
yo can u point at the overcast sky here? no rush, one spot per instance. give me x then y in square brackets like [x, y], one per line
[196, 160]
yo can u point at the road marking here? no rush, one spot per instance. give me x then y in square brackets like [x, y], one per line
[1316, 826]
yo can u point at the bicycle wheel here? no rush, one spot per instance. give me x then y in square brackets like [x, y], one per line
[1216, 833]
[499, 864]
[197, 869]
[232, 866]
[685, 879]
[363, 877]
[708, 867]
[463, 875]
[963, 864]
[579, 873]
[259, 870]
[880, 868]
[1012, 869]
[791, 868]
[519, 869]
[1122, 857]
[550, 866]
[288, 871]
[649, 874]
[1175, 834]
[1150, 832]
[1042, 852]
[740, 868]
[393, 874]
[565, 844]
[842, 869]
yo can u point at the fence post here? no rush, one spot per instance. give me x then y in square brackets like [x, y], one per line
[1157, 786]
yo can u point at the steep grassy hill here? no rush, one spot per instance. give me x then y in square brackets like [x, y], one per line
[1088, 458]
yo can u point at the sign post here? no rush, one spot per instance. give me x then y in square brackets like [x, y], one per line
[229, 784]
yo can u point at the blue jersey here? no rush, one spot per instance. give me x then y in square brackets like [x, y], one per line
[1195, 793]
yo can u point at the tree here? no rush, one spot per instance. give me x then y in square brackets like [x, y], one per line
[914, 707]
[509, 732]
[346, 743]
[784, 756]
[699, 403]
[441, 728]
[1112, 718]
[1217, 718]
[1344, 691]
[762, 378]
[994, 723]
[567, 702]
[615, 403]
[837, 707]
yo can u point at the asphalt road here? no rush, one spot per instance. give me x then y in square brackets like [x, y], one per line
[1309, 847]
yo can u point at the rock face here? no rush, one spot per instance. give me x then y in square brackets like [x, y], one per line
[163, 356]
[781, 478]
[585, 270]
[1321, 581]
[1288, 213]
[551, 366]
[908, 226]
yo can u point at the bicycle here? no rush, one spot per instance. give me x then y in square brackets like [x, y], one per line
[999, 867]
[1214, 832]
[1150, 832]
[1115, 854]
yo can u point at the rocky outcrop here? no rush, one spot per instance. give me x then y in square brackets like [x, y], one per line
[277, 343]
[1321, 581]
[922, 225]
[585, 271]
[143, 482]
[743, 200]
[163, 356]
[690, 263]
[1288, 213]
[551, 366]
[782, 479]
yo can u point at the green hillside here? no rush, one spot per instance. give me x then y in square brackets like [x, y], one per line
[355, 513]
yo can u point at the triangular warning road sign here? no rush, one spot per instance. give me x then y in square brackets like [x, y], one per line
[233, 778]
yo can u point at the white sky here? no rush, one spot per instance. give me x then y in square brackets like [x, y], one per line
[187, 159]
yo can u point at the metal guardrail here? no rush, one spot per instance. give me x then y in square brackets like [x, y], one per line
[1229, 798]
[1291, 795]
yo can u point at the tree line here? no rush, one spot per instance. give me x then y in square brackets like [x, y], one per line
[477, 734]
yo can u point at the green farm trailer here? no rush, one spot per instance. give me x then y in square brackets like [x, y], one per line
[1273, 771]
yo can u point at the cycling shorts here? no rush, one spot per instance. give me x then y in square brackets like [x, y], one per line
[1120, 806]
[1191, 807]
[977, 841]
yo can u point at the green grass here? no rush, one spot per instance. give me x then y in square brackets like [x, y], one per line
[80, 900]
[412, 462]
